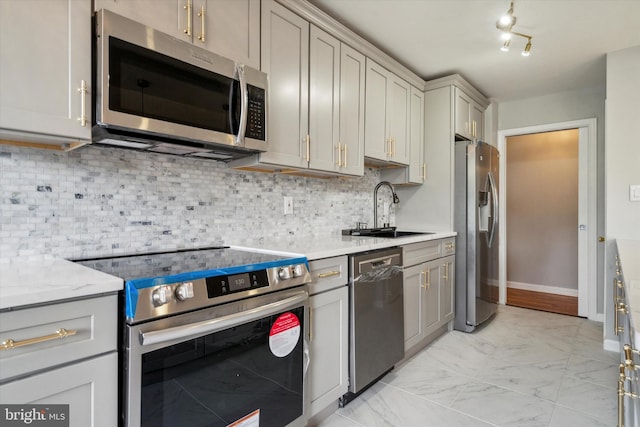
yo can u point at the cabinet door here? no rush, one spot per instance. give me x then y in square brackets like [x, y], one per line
[477, 121]
[43, 67]
[414, 284]
[376, 145]
[168, 16]
[463, 114]
[231, 29]
[328, 370]
[90, 388]
[352, 89]
[324, 97]
[417, 165]
[285, 57]
[398, 111]
[447, 288]
[431, 305]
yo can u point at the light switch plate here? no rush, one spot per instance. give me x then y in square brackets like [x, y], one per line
[634, 193]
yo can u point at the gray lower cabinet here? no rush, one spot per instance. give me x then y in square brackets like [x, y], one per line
[328, 333]
[628, 378]
[45, 73]
[429, 269]
[63, 353]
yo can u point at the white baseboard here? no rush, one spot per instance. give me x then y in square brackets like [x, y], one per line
[543, 288]
[612, 345]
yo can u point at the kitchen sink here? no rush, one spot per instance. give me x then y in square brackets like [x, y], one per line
[386, 232]
[396, 233]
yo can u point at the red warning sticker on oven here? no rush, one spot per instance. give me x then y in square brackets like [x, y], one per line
[284, 334]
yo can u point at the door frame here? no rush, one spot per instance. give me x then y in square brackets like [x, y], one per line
[587, 215]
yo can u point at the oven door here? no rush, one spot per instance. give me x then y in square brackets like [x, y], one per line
[215, 367]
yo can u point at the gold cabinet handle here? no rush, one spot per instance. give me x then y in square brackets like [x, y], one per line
[446, 271]
[428, 278]
[202, 15]
[328, 274]
[393, 147]
[60, 333]
[83, 103]
[188, 7]
[308, 143]
[345, 148]
[339, 161]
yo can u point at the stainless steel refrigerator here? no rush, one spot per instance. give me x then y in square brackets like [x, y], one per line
[476, 222]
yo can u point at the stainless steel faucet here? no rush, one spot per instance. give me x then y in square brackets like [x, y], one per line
[375, 199]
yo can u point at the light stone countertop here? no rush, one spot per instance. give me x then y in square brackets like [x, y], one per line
[47, 280]
[318, 247]
[25, 283]
[629, 252]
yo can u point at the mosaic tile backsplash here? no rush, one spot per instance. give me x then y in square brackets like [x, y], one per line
[100, 201]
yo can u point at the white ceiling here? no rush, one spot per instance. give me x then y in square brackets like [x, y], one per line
[435, 38]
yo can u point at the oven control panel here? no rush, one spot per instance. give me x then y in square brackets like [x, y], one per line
[166, 299]
[224, 285]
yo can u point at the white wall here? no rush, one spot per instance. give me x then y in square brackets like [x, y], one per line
[623, 143]
[622, 159]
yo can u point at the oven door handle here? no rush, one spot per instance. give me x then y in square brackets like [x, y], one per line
[221, 323]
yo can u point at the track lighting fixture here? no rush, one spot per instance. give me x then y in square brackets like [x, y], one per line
[505, 24]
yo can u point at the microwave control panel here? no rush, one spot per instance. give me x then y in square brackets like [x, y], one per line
[256, 113]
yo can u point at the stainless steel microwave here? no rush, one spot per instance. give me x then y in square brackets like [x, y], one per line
[157, 93]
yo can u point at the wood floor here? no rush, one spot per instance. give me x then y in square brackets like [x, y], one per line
[553, 303]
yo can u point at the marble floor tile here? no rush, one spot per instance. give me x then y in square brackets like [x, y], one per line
[524, 368]
[541, 380]
[384, 405]
[595, 371]
[336, 420]
[588, 398]
[427, 380]
[503, 407]
[565, 417]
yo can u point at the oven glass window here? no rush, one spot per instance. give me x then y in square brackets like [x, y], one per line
[218, 379]
[148, 84]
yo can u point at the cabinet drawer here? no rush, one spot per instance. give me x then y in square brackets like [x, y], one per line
[90, 388]
[417, 253]
[448, 246]
[328, 273]
[93, 320]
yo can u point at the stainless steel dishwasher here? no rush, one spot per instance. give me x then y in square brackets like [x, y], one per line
[376, 317]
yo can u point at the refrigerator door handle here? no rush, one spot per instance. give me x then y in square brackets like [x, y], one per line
[494, 208]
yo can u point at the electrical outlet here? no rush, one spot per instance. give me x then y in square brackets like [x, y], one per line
[634, 193]
[288, 205]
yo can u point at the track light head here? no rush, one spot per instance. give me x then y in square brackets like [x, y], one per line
[527, 49]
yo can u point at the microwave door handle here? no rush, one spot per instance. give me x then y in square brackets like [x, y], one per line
[244, 106]
[209, 326]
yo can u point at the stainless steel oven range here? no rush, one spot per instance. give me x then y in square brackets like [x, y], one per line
[213, 337]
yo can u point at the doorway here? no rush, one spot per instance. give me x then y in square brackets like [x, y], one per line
[587, 209]
[542, 212]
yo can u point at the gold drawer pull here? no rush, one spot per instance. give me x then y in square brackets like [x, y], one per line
[328, 274]
[60, 333]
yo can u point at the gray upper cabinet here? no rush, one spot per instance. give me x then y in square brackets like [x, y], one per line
[336, 105]
[316, 99]
[230, 28]
[416, 172]
[469, 116]
[285, 57]
[386, 116]
[45, 72]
